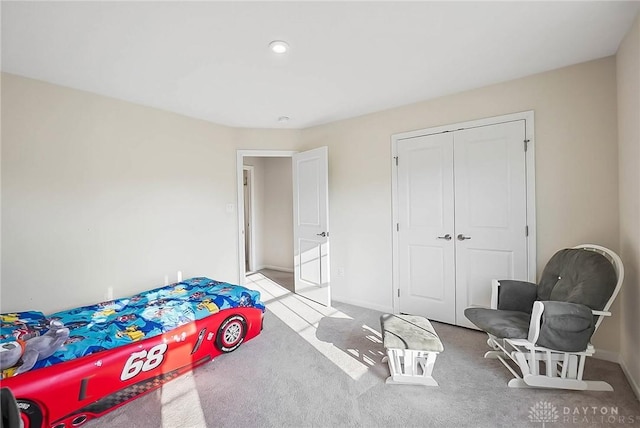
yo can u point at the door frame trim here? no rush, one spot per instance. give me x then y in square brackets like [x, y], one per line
[528, 117]
[240, 154]
[250, 185]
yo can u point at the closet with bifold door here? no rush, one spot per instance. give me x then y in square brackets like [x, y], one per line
[463, 213]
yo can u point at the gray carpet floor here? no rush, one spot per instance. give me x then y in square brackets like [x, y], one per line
[320, 367]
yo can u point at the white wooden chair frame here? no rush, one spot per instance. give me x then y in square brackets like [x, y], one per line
[563, 370]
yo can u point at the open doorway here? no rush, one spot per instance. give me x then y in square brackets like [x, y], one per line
[268, 218]
[288, 217]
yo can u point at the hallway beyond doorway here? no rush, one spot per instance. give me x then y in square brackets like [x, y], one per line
[284, 279]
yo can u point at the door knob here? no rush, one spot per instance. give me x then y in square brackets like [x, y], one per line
[461, 237]
[446, 237]
[323, 234]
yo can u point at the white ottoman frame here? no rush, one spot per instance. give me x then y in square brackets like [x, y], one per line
[410, 366]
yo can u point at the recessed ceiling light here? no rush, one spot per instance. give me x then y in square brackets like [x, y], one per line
[283, 119]
[279, 46]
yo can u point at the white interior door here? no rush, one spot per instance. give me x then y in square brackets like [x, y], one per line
[311, 225]
[426, 227]
[491, 211]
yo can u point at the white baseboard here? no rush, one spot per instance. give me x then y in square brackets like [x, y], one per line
[615, 357]
[278, 268]
[611, 356]
[360, 303]
[633, 382]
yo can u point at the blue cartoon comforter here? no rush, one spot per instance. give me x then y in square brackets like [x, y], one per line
[110, 324]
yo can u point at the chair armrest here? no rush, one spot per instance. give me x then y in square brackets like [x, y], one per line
[510, 295]
[561, 326]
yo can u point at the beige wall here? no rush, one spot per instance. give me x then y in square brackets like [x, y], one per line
[628, 69]
[576, 172]
[99, 193]
[1, 77]
[277, 246]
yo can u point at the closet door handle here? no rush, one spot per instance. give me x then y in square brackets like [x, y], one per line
[323, 234]
[446, 237]
[461, 237]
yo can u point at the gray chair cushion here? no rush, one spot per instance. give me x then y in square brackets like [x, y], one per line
[578, 276]
[502, 324]
[517, 295]
[565, 326]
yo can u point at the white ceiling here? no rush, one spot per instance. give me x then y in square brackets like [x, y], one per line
[210, 60]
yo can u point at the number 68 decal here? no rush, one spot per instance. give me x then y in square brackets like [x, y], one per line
[143, 361]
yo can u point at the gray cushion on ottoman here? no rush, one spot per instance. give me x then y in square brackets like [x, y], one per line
[409, 332]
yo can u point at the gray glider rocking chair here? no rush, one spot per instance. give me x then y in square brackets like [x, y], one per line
[546, 328]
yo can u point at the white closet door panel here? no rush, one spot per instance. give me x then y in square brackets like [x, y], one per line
[490, 201]
[426, 271]
[425, 212]
[482, 267]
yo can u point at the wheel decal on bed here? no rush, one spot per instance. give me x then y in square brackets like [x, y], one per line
[30, 413]
[143, 361]
[231, 333]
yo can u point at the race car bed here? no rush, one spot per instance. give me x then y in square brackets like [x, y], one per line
[115, 351]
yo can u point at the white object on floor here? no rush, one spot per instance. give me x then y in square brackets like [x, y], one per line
[412, 346]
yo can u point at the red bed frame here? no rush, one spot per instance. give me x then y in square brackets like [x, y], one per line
[70, 393]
